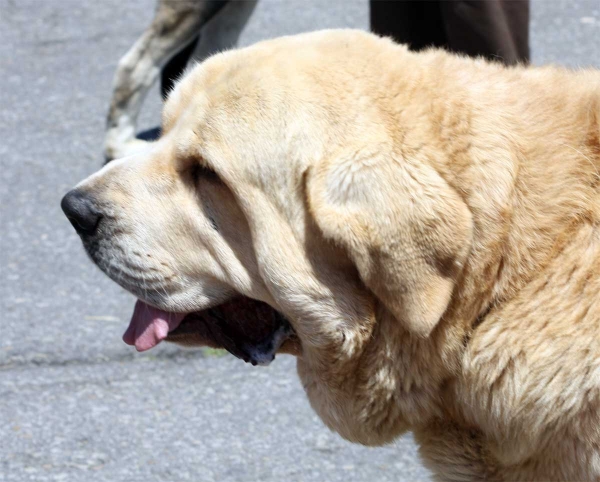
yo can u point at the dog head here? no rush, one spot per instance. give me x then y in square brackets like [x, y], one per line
[283, 175]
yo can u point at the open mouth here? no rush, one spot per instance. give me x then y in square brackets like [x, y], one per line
[247, 328]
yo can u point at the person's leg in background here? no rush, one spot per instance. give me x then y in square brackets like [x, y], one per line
[495, 29]
[416, 23]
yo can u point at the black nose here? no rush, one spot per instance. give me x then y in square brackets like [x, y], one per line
[80, 210]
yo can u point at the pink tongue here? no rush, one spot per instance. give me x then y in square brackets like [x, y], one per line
[149, 326]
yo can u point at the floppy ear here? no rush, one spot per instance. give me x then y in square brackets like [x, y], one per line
[405, 228]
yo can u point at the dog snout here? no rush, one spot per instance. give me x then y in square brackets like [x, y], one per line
[81, 211]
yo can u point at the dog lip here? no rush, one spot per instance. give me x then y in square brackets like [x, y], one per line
[249, 329]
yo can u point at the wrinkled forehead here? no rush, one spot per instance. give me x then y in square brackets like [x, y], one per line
[233, 111]
[214, 84]
[264, 113]
[290, 83]
[190, 108]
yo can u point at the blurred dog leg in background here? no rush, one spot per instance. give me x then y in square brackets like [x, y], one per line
[180, 29]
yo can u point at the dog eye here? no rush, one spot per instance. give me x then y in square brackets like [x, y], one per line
[200, 171]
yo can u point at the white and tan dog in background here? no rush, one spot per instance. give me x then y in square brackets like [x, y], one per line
[176, 23]
[428, 224]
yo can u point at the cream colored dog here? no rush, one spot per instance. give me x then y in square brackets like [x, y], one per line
[429, 225]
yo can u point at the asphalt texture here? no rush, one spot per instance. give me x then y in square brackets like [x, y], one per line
[76, 403]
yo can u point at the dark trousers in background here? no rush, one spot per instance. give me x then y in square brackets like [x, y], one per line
[495, 29]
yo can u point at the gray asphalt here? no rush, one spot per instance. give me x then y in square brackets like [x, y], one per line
[76, 403]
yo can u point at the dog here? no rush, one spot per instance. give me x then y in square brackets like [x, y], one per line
[202, 26]
[427, 224]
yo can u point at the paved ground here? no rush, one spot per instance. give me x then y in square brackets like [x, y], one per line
[75, 402]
